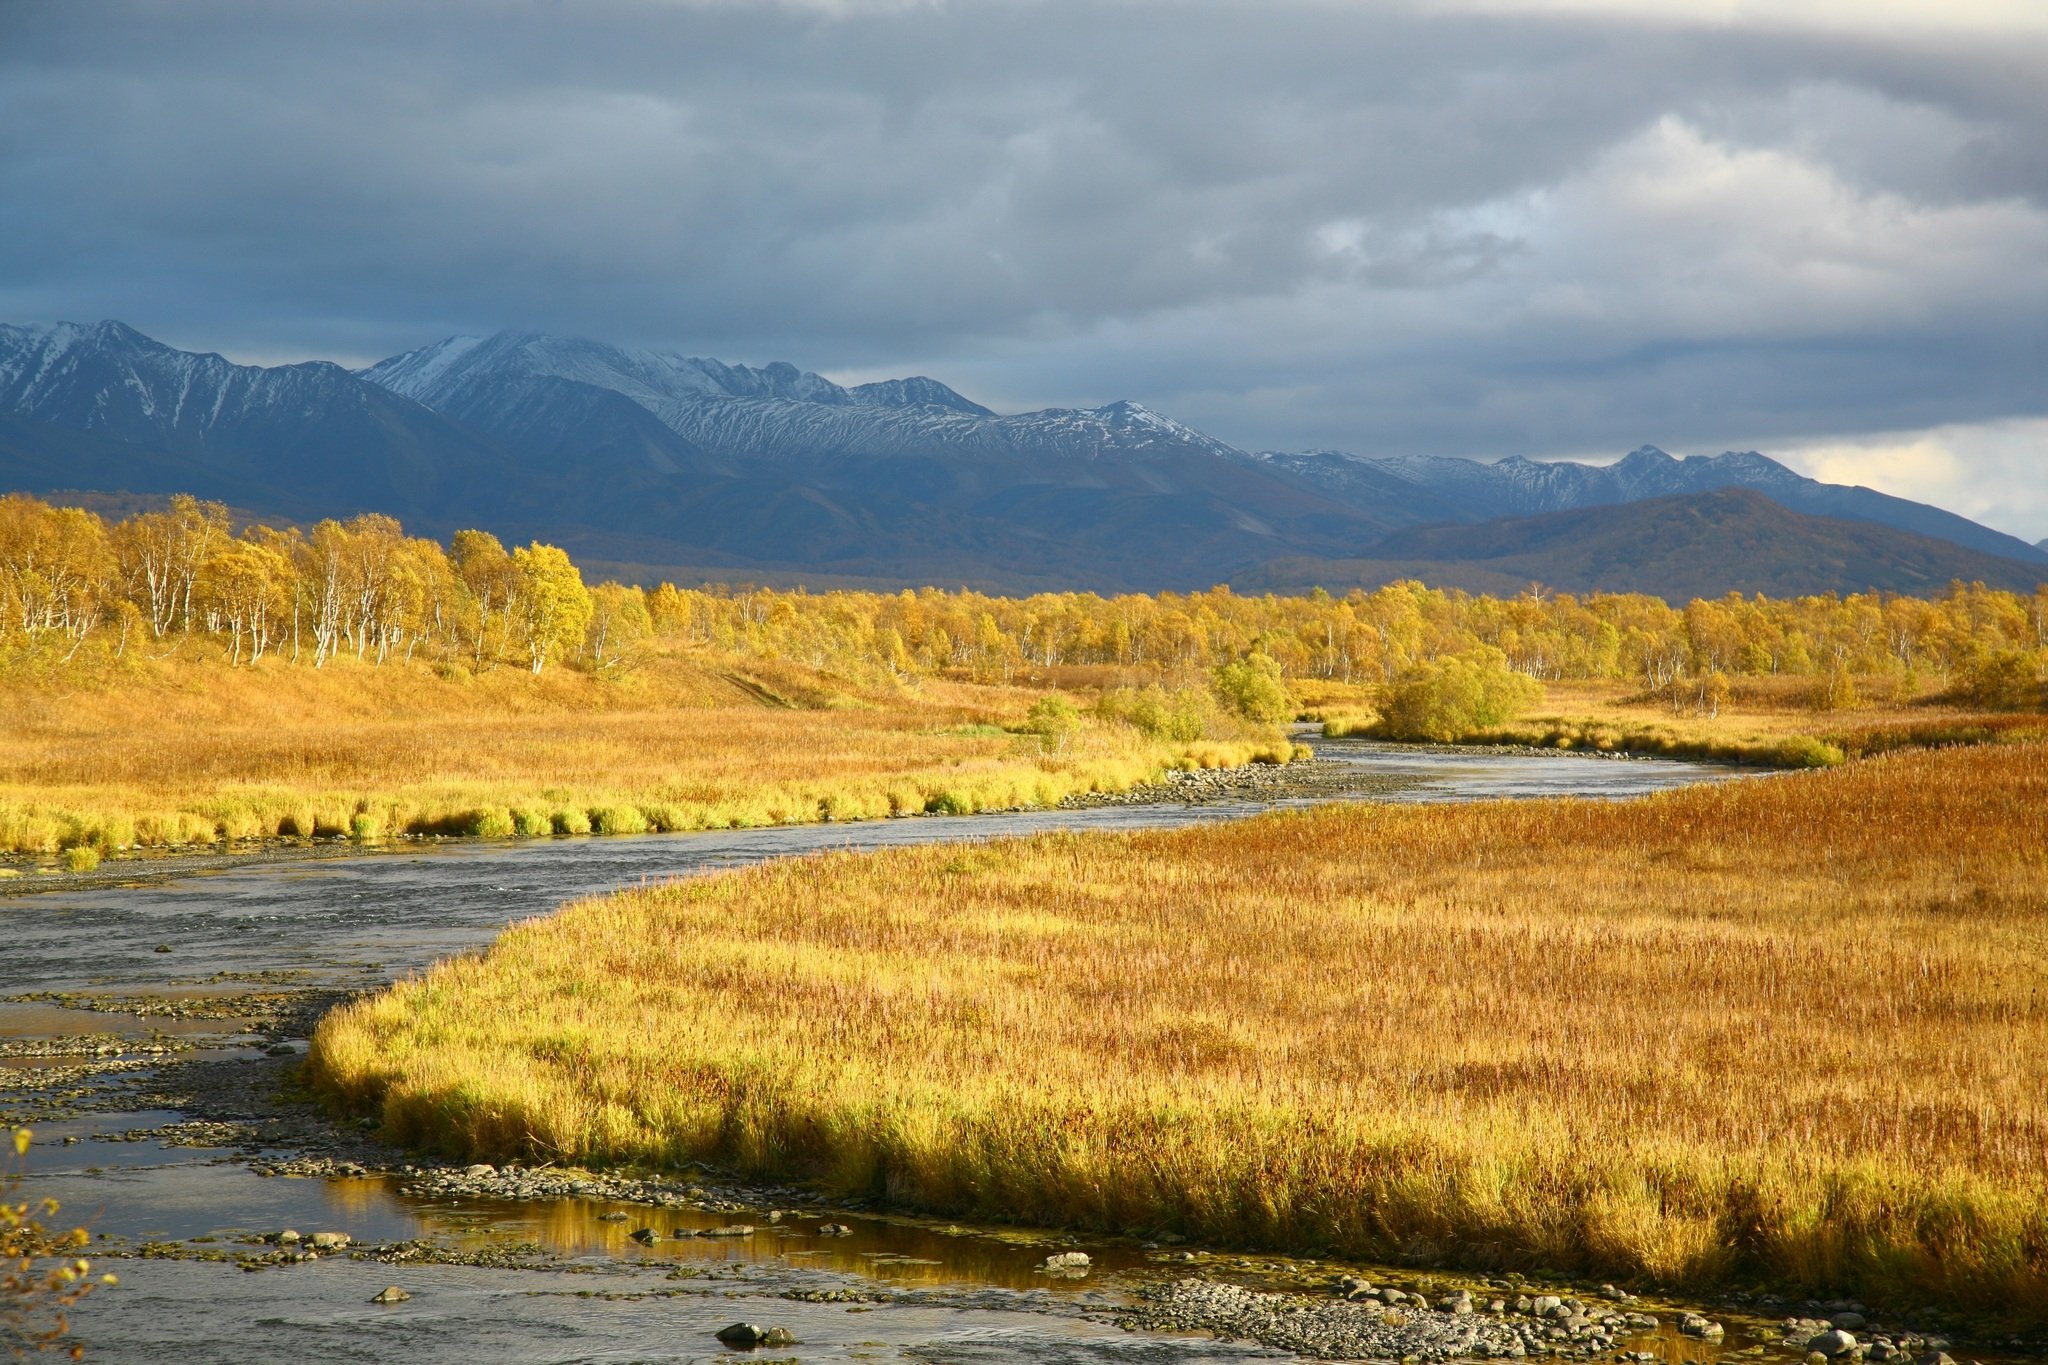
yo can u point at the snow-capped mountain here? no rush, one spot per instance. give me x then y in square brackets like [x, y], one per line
[654, 379]
[164, 420]
[667, 464]
[776, 414]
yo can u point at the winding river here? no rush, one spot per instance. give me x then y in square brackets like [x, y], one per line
[336, 923]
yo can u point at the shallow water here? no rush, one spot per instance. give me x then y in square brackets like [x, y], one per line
[362, 920]
[358, 921]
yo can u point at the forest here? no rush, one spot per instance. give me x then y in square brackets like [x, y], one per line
[80, 596]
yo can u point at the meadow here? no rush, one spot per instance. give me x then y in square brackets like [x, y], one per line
[1767, 721]
[172, 680]
[1787, 1031]
[184, 753]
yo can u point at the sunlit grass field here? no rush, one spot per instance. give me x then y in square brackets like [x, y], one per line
[1788, 1030]
[1771, 722]
[192, 752]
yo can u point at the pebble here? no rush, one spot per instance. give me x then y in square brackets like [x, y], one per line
[1343, 1328]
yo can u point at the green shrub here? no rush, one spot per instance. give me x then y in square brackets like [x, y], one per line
[1253, 688]
[1054, 720]
[572, 821]
[1804, 751]
[1179, 716]
[532, 822]
[364, 826]
[618, 820]
[1449, 698]
[81, 858]
[489, 823]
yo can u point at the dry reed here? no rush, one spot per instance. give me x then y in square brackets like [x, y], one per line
[192, 752]
[1788, 1030]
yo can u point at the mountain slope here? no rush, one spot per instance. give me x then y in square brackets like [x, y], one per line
[105, 406]
[1678, 547]
[1469, 490]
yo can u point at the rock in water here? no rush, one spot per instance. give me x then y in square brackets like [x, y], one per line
[391, 1293]
[646, 1237]
[1832, 1343]
[746, 1334]
[1067, 1263]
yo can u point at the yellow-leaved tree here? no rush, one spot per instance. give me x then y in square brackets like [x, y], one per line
[553, 607]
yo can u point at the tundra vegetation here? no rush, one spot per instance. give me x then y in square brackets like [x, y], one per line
[1786, 1031]
[171, 681]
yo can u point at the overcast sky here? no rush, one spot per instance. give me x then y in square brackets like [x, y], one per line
[1545, 227]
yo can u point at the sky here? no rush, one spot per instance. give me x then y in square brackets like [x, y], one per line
[1554, 228]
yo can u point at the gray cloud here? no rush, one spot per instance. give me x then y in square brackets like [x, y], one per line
[1299, 223]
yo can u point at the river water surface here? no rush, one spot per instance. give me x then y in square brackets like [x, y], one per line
[944, 1294]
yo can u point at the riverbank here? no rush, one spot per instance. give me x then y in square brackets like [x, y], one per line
[1109, 1032]
[191, 757]
[788, 1252]
[1761, 722]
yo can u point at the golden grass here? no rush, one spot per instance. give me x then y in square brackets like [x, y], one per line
[1788, 1030]
[189, 752]
[1765, 721]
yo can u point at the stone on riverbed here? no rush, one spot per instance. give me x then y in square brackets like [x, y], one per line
[1832, 1343]
[747, 1335]
[729, 1230]
[1066, 1263]
[646, 1237]
[330, 1241]
[391, 1294]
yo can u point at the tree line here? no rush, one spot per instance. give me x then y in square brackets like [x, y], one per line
[73, 584]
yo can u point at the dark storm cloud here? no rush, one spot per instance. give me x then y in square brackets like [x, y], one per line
[1374, 227]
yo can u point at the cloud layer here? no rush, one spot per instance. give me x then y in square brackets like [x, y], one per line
[1540, 227]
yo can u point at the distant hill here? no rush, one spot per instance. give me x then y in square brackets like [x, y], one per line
[1442, 489]
[1679, 547]
[664, 465]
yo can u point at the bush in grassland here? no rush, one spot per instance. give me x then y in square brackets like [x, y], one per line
[1054, 720]
[1253, 687]
[1179, 716]
[2001, 679]
[1449, 698]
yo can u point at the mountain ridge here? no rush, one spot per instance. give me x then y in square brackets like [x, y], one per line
[647, 457]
